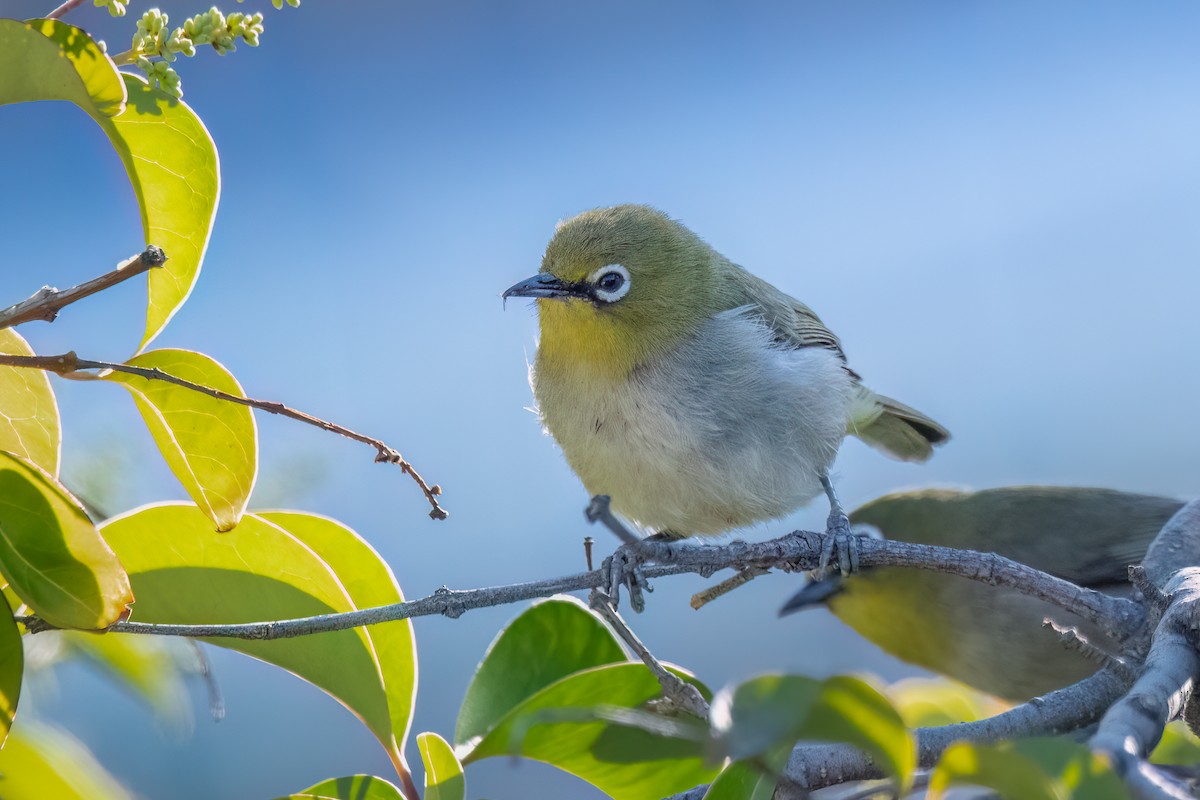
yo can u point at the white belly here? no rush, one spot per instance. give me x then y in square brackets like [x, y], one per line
[724, 431]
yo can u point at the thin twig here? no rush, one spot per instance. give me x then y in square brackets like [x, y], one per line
[46, 302]
[1072, 639]
[701, 599]
[69, 362]
[64, 8]
[682, 694]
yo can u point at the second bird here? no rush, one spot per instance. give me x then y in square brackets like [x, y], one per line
[696, 395]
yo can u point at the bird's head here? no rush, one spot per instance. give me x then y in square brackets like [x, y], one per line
[619, 285]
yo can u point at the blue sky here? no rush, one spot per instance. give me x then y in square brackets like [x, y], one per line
[994, 205]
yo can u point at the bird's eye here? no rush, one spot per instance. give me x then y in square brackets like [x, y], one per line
[610, 283]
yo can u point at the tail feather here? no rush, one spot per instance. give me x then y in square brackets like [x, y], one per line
[895, 429]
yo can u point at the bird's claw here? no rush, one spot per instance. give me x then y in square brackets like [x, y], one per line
[625, 568]
[840, 541]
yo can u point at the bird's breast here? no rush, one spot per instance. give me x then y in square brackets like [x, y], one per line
[725, 430]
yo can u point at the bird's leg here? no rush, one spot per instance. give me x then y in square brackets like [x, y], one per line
[839, 538]
[624, 566]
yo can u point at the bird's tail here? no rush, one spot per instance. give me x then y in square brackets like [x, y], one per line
[894, 428]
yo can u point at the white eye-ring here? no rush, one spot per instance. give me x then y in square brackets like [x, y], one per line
[610, 283]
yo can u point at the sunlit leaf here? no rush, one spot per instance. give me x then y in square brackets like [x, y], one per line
[369, 582]
[168, 154]
[548, 641]
[1177, 746]
[623, 762]
[46, 59]
[211, 445]
[261, 571]
[172, 163]
[40, 762]
[443, 773]
[51, 554]
[771, 711]
[741, 781]
[351, 787]
[1030, 769]
[930, 702]
[12, 665]
[29, 425]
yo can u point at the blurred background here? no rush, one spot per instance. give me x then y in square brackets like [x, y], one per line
[994, 205]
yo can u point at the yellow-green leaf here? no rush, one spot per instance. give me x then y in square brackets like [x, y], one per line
[51, 553]
[12, 664]
[169, 156]
[172, 163]
[742, 781]
[45, 59]
[443, 773]
[1030, 769]
[29, 424]
[766, 713]
[211, 445]
[351, 787]
[624, 762]
[549, 640]
[263, 571]
[41, 762]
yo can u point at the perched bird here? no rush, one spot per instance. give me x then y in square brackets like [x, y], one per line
[699, 397]
[991, 637]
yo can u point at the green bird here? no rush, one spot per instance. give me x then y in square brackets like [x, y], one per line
[990, 637]
[699, 397]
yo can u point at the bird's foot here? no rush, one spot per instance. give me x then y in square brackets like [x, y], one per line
[840, 542]
[624, 568]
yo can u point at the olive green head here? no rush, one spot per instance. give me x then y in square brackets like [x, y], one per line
[620, 284]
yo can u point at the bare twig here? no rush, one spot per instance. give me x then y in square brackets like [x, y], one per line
[682, 694]
[1072, 639]
[701, 599]
[59, 12]
[69, 362]
[46, 302]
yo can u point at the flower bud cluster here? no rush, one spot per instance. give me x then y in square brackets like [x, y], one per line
[116, 8]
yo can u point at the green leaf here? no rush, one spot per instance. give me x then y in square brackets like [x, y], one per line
[169, 156]
[45, 59]
[282, 565]
[741, 781]
[29, 424]
[773, 711]
[51, 553]
[369, 581]
[173, 165]
[1031, 769]
[352, 787]
[548, 641]
[12, 664]
[40, 762]
[623, 762]
[211, 445]
[443, 773]
[930, 702]
[1177, 746]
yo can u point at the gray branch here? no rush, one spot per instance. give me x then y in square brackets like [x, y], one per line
[800, 550]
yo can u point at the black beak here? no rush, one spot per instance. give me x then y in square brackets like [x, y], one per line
[543, 285]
